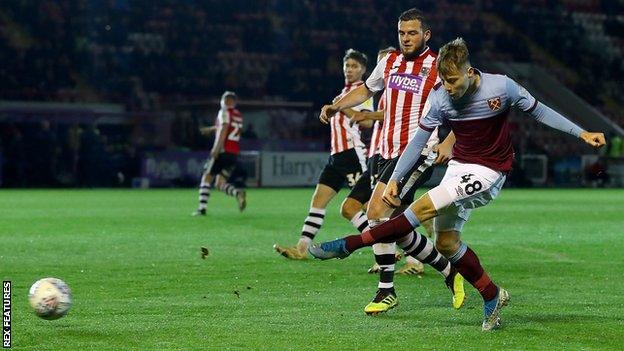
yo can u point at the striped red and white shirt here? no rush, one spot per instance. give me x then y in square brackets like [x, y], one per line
[343, 135]
[373, 149]
[407, 83]
[233, 120]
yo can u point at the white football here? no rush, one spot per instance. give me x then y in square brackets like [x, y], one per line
[50, 298]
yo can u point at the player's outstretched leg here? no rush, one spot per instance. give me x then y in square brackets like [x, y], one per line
[468, 265]
[388, 232]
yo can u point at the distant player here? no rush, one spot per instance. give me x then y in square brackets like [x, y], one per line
[476, 106]
[347, 162]
[407, 77]
[223, 155]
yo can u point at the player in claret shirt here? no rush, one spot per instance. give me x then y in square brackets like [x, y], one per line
[223, 155]
[476, 105]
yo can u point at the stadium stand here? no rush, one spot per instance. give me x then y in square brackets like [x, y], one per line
[153, 58]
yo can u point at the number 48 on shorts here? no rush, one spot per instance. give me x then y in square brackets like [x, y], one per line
[471, 187]
[467, 185]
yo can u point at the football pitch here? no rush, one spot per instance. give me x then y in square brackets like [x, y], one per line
[132, 259]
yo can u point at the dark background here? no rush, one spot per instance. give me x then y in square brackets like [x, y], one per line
[163, 65]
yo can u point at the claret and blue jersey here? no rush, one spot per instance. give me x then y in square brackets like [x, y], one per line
[480, 122]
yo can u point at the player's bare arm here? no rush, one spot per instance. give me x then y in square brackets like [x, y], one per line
[445, 149]
[391, 194]
[364, 118]
[350, 113]
[205, 131]
[367, 116]
[353, 98]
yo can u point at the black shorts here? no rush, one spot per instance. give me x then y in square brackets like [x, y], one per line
[373, 167]
[363, 189]
[343, 167]
[224, 164]
[386, 167]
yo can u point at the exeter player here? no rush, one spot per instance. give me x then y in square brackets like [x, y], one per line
[361, 192]
[364, 186]
[407, 77]
[223, 155]
[347, 163]
[352, 205]
[476, 105]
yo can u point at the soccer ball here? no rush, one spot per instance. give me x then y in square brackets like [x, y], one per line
[50, 298]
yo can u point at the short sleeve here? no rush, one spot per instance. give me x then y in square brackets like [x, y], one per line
[375, 81]
[431, 117]
[519, 96]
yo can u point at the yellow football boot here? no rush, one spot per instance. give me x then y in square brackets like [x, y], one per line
[383, 301]
[455, 283]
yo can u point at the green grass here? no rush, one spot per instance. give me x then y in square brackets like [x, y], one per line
[132, 260]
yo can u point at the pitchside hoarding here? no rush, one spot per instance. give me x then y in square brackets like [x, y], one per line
[184, 168]
[291, 168]
[270, 169]
[273, 169]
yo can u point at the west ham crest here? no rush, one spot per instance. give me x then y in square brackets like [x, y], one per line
[494, 103]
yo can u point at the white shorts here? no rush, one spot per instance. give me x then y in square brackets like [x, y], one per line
[465, 186]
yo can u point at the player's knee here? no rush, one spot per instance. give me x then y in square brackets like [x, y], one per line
[350, 207]
[376, 209]
[423, 208]
[447, 242]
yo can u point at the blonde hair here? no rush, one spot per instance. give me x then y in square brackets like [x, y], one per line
[452, 56]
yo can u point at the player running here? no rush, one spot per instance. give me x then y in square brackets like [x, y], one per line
[346, 163]
[476, 106]
[406, 76]
[223, 155]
